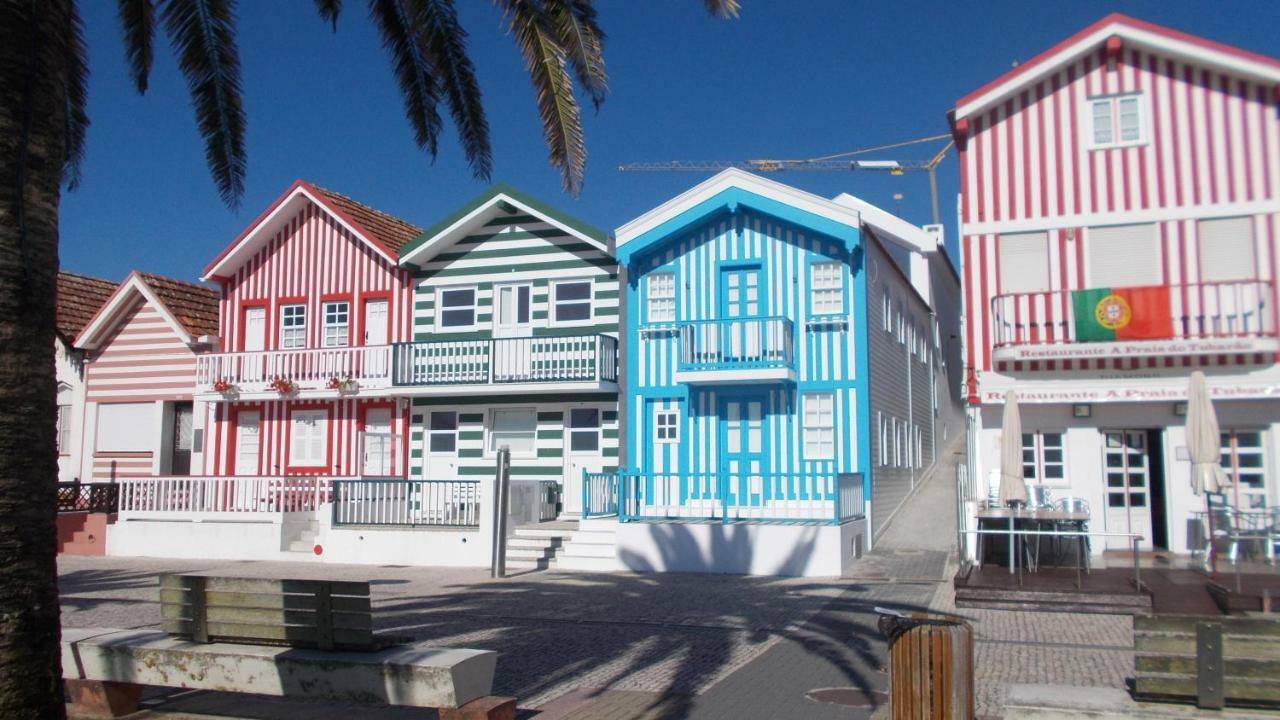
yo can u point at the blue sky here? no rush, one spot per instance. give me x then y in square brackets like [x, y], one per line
[786, 80]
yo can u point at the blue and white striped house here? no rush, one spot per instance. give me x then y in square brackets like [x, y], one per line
[749, 325]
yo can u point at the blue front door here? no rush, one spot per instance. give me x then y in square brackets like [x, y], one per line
[740, 342]
[742, 451]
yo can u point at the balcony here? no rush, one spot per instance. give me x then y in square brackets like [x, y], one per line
[508, 365]
[1204, 319]
[247, 374]
[739, 350]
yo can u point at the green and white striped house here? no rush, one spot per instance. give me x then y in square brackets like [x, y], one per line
[514, 327]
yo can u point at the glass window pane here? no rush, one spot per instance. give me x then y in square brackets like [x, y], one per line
[584, 441]
[1102, 132]
[444, 421]
[584, 418]
[573, 291]
[456, 318]
[573, 311]
[459, 297]
[443, 442]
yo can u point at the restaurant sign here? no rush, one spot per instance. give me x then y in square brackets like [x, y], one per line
[1130, 394]
[1146, 348]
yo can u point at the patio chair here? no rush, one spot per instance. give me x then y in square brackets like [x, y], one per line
[1074, 505]
[1223, 525]
[1039, 496]
[1273, 535]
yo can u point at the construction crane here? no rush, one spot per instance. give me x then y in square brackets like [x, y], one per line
[839, 161]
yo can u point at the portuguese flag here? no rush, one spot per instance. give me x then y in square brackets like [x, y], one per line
[1108, 314]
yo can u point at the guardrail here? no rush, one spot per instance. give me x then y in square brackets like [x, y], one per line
[599, 494]
[822, 497]
[407, 503]
[312, 369]
[1198, 311]
[737, 344]
[572, 358]
[88, 497]
[219, 497]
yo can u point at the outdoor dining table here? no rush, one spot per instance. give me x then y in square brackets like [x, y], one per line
[1026, 516]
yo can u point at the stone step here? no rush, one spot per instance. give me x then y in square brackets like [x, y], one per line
[584, 564]
[591, 549]
[532, 532]
[521, 564]
[302, 546]
[534, 542]
[529, 553]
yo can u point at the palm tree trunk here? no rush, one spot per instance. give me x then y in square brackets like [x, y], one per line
[33, 92]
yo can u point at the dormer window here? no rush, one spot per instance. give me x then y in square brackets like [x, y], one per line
[1116, 121]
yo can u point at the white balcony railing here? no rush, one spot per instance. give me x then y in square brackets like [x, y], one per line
[523, 360]
[220, 498]
[249, 372]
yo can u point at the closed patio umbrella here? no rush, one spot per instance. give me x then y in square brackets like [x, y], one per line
[1203, 439]
[1012, 485]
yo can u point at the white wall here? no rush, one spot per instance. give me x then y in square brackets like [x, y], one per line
[742, 549]
[70, 377]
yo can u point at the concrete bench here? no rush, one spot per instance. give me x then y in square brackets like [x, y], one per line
[106, 668]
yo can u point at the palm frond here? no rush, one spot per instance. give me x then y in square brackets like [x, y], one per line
[138, 21]
[444, 47]
[583, 42]
[329, 10]
[77, 119]
[723, 8]
[544, 60]
[203, 34]
[413, 71]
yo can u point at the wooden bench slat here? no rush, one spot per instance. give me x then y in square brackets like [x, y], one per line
[1233, 646]
[233, 632]
[1186, 665]
[1234, 689]
[268, 585]
[265, 601]
[1187, 624]
[261, 616]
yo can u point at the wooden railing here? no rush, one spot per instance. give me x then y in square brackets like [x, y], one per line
[823, 497]
[573, 358]
[221, 497]
[246, 372]
[87, 497]
[406, 503]
[737, 344]
[1198, 311]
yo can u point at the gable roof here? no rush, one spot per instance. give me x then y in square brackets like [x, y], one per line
[191, 310]
[725, 191]
[385, 233]
[499, 198]
[78, 298]
[1132, 33]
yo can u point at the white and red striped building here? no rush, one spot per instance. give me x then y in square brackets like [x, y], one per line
[1128, 156]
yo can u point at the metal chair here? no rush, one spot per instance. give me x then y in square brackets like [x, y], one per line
[1223, 525]
[1039, 496]
[1074, 505]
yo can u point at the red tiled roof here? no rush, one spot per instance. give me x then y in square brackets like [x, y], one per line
[195, 306]
[389, 230]
[79, 297]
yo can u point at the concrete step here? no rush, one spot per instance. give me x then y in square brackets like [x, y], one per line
[590, 549]
[302, 546]
[534, 542]
[529, 553]
[584, 564]
[521, 564]
[534, 532]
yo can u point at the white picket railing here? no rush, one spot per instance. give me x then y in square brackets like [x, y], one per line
[369, 367]
[406, 503]
[219, 498]
[811, 496]
[573, 358]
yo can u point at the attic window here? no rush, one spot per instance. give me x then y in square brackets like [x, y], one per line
[1116, 121]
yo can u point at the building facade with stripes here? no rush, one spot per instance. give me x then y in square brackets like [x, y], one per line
[754, 314]
[1120, 224]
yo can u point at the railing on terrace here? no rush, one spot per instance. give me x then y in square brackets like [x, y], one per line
[368, 367]
[822, 497]
[406, 503]
[599, 494]
[572, 358]
[737, 344]
[88, 497]
[1198, 311]
[221, 497]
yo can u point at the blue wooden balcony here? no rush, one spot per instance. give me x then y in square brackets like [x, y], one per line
[507, 365]
[737, 350]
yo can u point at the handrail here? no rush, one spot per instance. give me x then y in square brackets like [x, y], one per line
[599, 494]
[306, 368]
[406, 503]
[513, 360]
[810, 496]
[737, 343]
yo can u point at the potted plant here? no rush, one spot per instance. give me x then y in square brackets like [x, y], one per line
[283, 385]
[344, 384]
[225, 387]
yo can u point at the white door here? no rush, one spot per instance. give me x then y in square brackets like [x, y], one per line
[379, 443]
[582, 454]
[248, 442]
[255, 340]
[512, 318]
[1128, 491]
[441, 445]
[375, 334]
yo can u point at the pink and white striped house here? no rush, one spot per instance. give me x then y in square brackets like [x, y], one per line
[1120, 225]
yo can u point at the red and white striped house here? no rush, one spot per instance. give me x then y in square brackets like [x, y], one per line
[1120, 225]
[141, 349]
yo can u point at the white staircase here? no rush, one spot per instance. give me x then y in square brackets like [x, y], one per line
[298, 532]
[534, 548]
[593, 547]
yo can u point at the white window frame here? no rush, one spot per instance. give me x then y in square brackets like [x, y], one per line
[553, 303]
[297, 457]
[571, 430]
[666, 426]
[63, 427]
[432, 433]
[474, 307]
[1231, 450]
[293, 337]
[819, 425]
[826, 288]
[660, 308]
[1034, 468]
[341, 330]
[492, 434]
[1114, 102]
[887, 313]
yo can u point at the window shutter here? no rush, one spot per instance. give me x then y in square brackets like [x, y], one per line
[1024, 262]
[1123, 256]
[1226, 249]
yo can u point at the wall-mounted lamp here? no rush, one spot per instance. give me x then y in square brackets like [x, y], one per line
[1082, 410]
[1180, 409]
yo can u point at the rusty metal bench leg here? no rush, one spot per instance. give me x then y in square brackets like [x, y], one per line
[101, 699]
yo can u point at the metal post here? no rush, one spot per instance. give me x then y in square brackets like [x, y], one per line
[1137, 572]
[501, 486]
